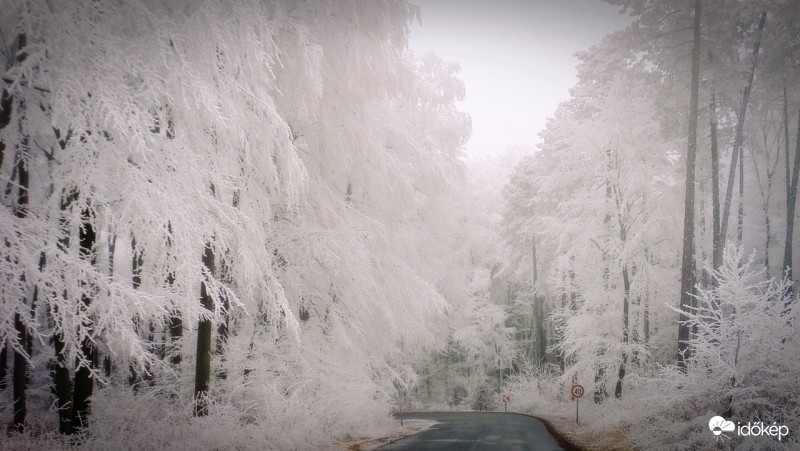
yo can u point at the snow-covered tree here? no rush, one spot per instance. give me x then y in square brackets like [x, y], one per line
[743, 364]
[230, 207]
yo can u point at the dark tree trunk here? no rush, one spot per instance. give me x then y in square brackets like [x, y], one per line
[20, 374]
[3, 365]
[718, 245]
[34, 302]
[175, 326]
[24, 341]
[626, 283]
[740, 212]
[63, 385]
[137, 259]
[538, 311]
[222, 335]
[112, 246]
[687, 262]
[561, 362]
[600, 392]
[223, 323]
[107, 366]
[84, 383]
[204, 329]
[176, 333]
[20, 377]
[61, 377]
[626, 286]
[791, 201]
[646, 319]
[787, 262]
[6, 102]
[149, 375]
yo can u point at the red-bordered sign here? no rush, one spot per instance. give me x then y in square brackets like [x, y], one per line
[506, 398]
[577, 391]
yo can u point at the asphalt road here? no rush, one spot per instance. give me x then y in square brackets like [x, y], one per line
[477, 431]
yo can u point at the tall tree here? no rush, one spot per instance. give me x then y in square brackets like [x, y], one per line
[594, 197]
[739, 137]
[62, 381]
[202, 378]
[716, 238]
[688, 259]
[86, 359]
[6, 104]
[791, 203]
[342, 146]
[21, 207]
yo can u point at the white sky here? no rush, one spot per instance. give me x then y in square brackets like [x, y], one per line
[516, 59]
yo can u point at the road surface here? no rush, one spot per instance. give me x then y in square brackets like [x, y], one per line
[477, 431]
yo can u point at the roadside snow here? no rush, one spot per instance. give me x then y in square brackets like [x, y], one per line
[410, 427]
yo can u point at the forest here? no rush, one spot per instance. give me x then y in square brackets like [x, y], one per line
[251, 225]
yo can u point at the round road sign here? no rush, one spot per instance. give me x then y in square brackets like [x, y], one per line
[577, 391]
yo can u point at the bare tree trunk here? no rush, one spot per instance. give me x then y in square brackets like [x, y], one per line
[175, 333]
[175, 325]
[223, 323]
[791, 201]
[62, 385]
[62, 381]
[625, 305]
[787, 262]
[765, 189]
[538, 310]
[646, 319]
[541, 332]
[687, 262]
[203, 367]
[20, 375]
[112, 245]
[740, 213]
[600, 392]
[3, 365]
[561, 362]
[6, 102]
[84, 383]
[718, 245]
[737, 141]
[137, 260]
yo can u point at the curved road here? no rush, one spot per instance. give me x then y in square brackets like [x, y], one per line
[478, 431]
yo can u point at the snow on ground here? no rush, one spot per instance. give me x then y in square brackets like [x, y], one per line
[589, 436]
[374, 441]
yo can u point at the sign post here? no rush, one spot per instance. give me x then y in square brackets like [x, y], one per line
[506, 400]
[577, 392]
[401, 395]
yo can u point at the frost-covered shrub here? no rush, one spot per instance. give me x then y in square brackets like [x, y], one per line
[534, 388]
[743, 366]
